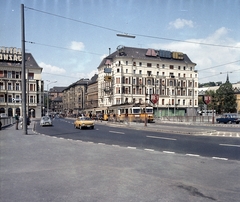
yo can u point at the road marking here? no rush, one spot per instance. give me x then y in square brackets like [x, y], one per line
[230, 145]
[219, 158]
[196, 155]
[131, 147]
[164, 138]
[168, 152]
[116, 132]
[151, 150]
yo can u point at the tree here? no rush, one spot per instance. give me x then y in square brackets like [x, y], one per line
[226, 99]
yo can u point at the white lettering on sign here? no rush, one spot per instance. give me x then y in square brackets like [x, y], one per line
[10, 54]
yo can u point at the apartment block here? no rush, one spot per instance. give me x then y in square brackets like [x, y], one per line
[136, 75]
[11, 83]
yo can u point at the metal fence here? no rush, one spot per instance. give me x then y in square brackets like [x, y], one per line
[198, 119]
[6, 121]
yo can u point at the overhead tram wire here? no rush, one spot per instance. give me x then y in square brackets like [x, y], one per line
[73, 77]
[66, 18]
[41, 44]
[183, 41]
[140, 35]
[217, 74]
[219, 65]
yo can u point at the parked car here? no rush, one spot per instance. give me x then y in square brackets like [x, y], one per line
[46, 121]
[229, 118]
[84, 122]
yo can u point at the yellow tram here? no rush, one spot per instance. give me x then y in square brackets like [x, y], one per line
[132, 113]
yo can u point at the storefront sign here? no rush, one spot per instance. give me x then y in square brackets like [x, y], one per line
[10, 54]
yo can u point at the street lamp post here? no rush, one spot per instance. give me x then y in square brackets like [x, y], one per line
[145, 118]
[48, 95]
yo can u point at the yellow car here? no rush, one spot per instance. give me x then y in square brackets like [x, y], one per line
[84, 122]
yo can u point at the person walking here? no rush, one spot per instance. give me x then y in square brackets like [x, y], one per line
[17, 120]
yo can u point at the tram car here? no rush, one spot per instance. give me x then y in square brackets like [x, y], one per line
[130, 113]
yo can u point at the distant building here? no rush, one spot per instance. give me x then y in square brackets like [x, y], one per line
[11, 83]
[74, 98]
[236, 88]
[92, 93]
[55, 99]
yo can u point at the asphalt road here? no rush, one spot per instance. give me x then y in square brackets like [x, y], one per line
[61, 167]
[227, 148]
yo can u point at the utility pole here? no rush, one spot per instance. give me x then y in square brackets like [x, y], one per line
[23, 73]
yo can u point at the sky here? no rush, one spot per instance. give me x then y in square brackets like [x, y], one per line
[69, 38]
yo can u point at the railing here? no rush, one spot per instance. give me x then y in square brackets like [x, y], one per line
[6, 121]
[197, 119]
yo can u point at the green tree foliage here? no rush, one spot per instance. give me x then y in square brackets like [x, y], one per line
[226, 99]
[209, 84]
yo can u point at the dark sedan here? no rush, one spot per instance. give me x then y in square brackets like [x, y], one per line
[229, 118]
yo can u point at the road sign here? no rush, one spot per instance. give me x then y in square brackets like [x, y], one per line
[207, 99]
[16, 99]
[154, 98]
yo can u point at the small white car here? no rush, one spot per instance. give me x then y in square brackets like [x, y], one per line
[46, 121]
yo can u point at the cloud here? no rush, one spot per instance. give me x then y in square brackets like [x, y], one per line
[47, 68]
[210, 60]
[77, 46]
[180, 23]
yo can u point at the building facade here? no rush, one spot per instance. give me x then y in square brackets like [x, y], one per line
[11, 83]
[92, 93]
[55, 99]
[133, 75]
[74, 98]
[236, 87]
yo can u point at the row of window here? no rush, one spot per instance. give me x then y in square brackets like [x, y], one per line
[32, 99]
[140, 64]
[149, 73]
[17, 86]
[139, 81]
[139, 91]
[14, 74]
[164, 102]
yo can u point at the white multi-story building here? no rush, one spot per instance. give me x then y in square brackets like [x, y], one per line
[11, 83]
[133, 75]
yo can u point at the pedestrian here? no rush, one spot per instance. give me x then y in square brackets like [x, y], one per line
[17, 120]
[0, 124]
[126, 118]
